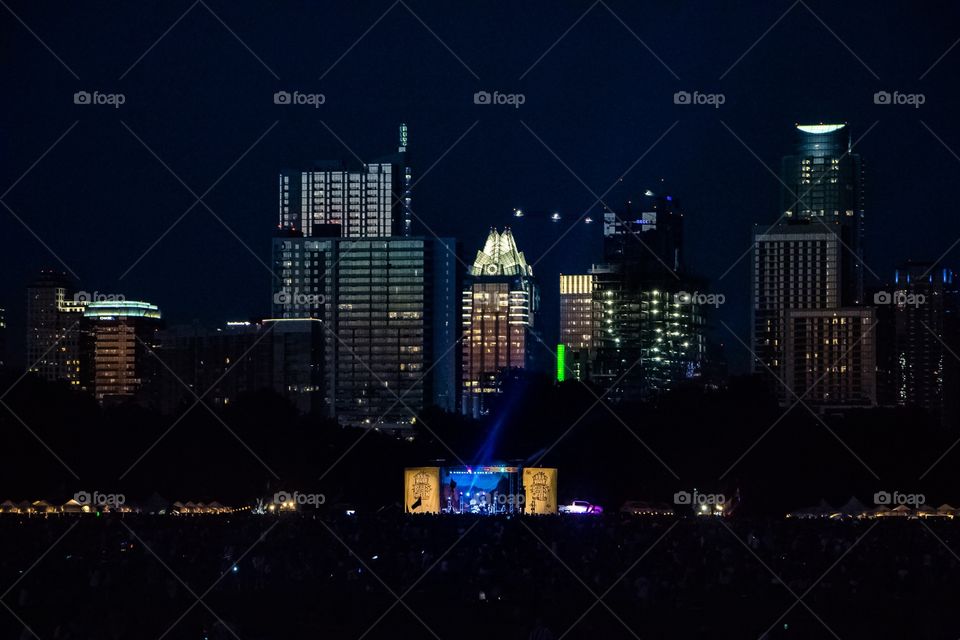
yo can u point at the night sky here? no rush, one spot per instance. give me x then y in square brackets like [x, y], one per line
[596, 101]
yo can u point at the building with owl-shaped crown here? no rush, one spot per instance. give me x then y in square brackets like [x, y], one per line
[501, 303]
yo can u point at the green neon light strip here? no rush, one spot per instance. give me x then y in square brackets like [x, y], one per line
[561, 362]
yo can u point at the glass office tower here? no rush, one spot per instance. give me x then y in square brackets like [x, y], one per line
[387, 307]
[823, 181]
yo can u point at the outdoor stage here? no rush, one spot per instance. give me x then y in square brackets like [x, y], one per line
[481, 490]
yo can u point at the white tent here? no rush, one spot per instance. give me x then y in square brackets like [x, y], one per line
[42, 506]
[72, 506]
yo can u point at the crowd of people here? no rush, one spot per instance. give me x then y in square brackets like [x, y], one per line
[388, 575]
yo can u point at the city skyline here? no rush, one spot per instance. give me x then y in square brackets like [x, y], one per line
[592, 318]
[453, 141]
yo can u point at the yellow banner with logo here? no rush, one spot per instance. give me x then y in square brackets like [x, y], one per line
[540, 487]
[422, 490]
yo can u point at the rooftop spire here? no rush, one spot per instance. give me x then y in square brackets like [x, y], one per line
[500, 257]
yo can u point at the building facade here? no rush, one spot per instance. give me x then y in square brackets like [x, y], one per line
[808, 277]
[580, 315]
[387, 309]
[117, 344]
[796, 266]
[830, 357]
[371, 200]
[824, 182]
[223, 364]
[53, 328]
[500, 305]
[925, 302]
[635, 325]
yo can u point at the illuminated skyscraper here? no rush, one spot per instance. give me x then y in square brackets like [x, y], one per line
[118, 337]
[580, 317]
[823, 181]
[647, 325]
[53, 328]
[807, 273]
[367, 201]
[500, 304]
[795, 266]
[388, 308]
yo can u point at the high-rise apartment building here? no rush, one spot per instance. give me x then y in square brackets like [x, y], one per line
[371, 200]
[500, 305]
[387, 308]
[117, 339]
[579, 323]
[830, 357]
[808, 278]
[53, 328]
[795, 266]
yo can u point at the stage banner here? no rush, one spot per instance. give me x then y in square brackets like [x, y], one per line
[540, 487]
[422, 490]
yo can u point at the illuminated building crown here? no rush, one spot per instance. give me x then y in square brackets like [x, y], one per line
[500, 257]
